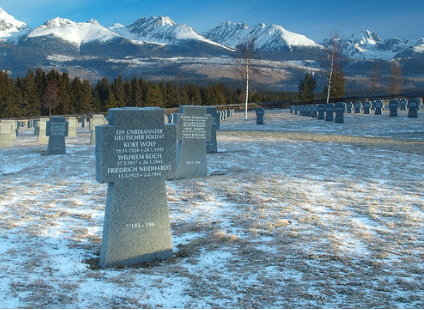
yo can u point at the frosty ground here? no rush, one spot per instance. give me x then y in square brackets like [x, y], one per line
[297, 213]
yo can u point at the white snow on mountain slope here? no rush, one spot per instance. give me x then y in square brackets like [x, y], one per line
[160, 29]
[368, 45]
[11, 29]
[272, 37]
[76, 33]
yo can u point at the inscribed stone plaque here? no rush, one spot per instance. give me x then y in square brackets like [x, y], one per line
[193, 130]
[212, 144]
[135, 154]
[56, 130]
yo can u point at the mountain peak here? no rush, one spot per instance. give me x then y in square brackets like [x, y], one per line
[11, 29]
[57, 22]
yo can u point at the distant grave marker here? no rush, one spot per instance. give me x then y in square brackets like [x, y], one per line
[135, 154]
[349, 106]
[96, 120]
[402, 104]
[413, 107]
[193, 130]
[72, 127]
[260, 113]
[42, 137]
[367, 107]
[56, 130]
[321, 111]
[340, 110]
[357, 105]
[393, 107]
[329, 112]
[379, 107]
[5, 136]
[212, 144]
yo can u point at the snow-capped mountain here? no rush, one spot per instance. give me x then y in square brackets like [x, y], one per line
[75, 33]
[368, 45]
[161, 30]
[11, 29]
[268, 38]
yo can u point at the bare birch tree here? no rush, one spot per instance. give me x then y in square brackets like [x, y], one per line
[245, 52]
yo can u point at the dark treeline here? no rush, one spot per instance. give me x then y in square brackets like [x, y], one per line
[40, 93]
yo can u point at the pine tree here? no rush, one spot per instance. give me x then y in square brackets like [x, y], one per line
[307, 87]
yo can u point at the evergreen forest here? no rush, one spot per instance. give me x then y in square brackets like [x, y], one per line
[43, 94]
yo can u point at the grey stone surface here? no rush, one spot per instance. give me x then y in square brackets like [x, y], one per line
[193, 130]
[321, 111]
[349, 106]
[402, 104]
[212, 144]
[42, 138]
[57, 131]
[135, 154]
[379, 107]
[5, 135]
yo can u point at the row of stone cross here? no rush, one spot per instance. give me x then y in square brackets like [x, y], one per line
[335, 112]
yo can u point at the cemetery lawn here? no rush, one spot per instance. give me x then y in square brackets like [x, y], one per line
[295, 213]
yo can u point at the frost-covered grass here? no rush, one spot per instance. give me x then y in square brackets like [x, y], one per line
[297, 213]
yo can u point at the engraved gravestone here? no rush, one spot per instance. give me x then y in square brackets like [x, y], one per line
[413, 107]
[42, 138]
[96, 120]
[349, 106]
[56, 130]
[193, 130]
[212, 144]
[260, 112]
[329, 112]
[314, 111]
[296, 110]
[340, 110]
[5, 136]
[135, 154]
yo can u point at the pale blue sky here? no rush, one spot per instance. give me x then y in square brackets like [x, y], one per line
[312, 18]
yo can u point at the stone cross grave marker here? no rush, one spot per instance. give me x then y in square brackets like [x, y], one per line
[329, 112]
[193, 130]
[5, 136]
[212, 144]
[413, 104]
[72, 127]
[96, 120]
[357, 106]
[42, 138]
[260, 112]
[340, 110]
[393, 107]
[402, 104]
[135, 154]
[367, 107]
[379, 107]
[56, 130]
